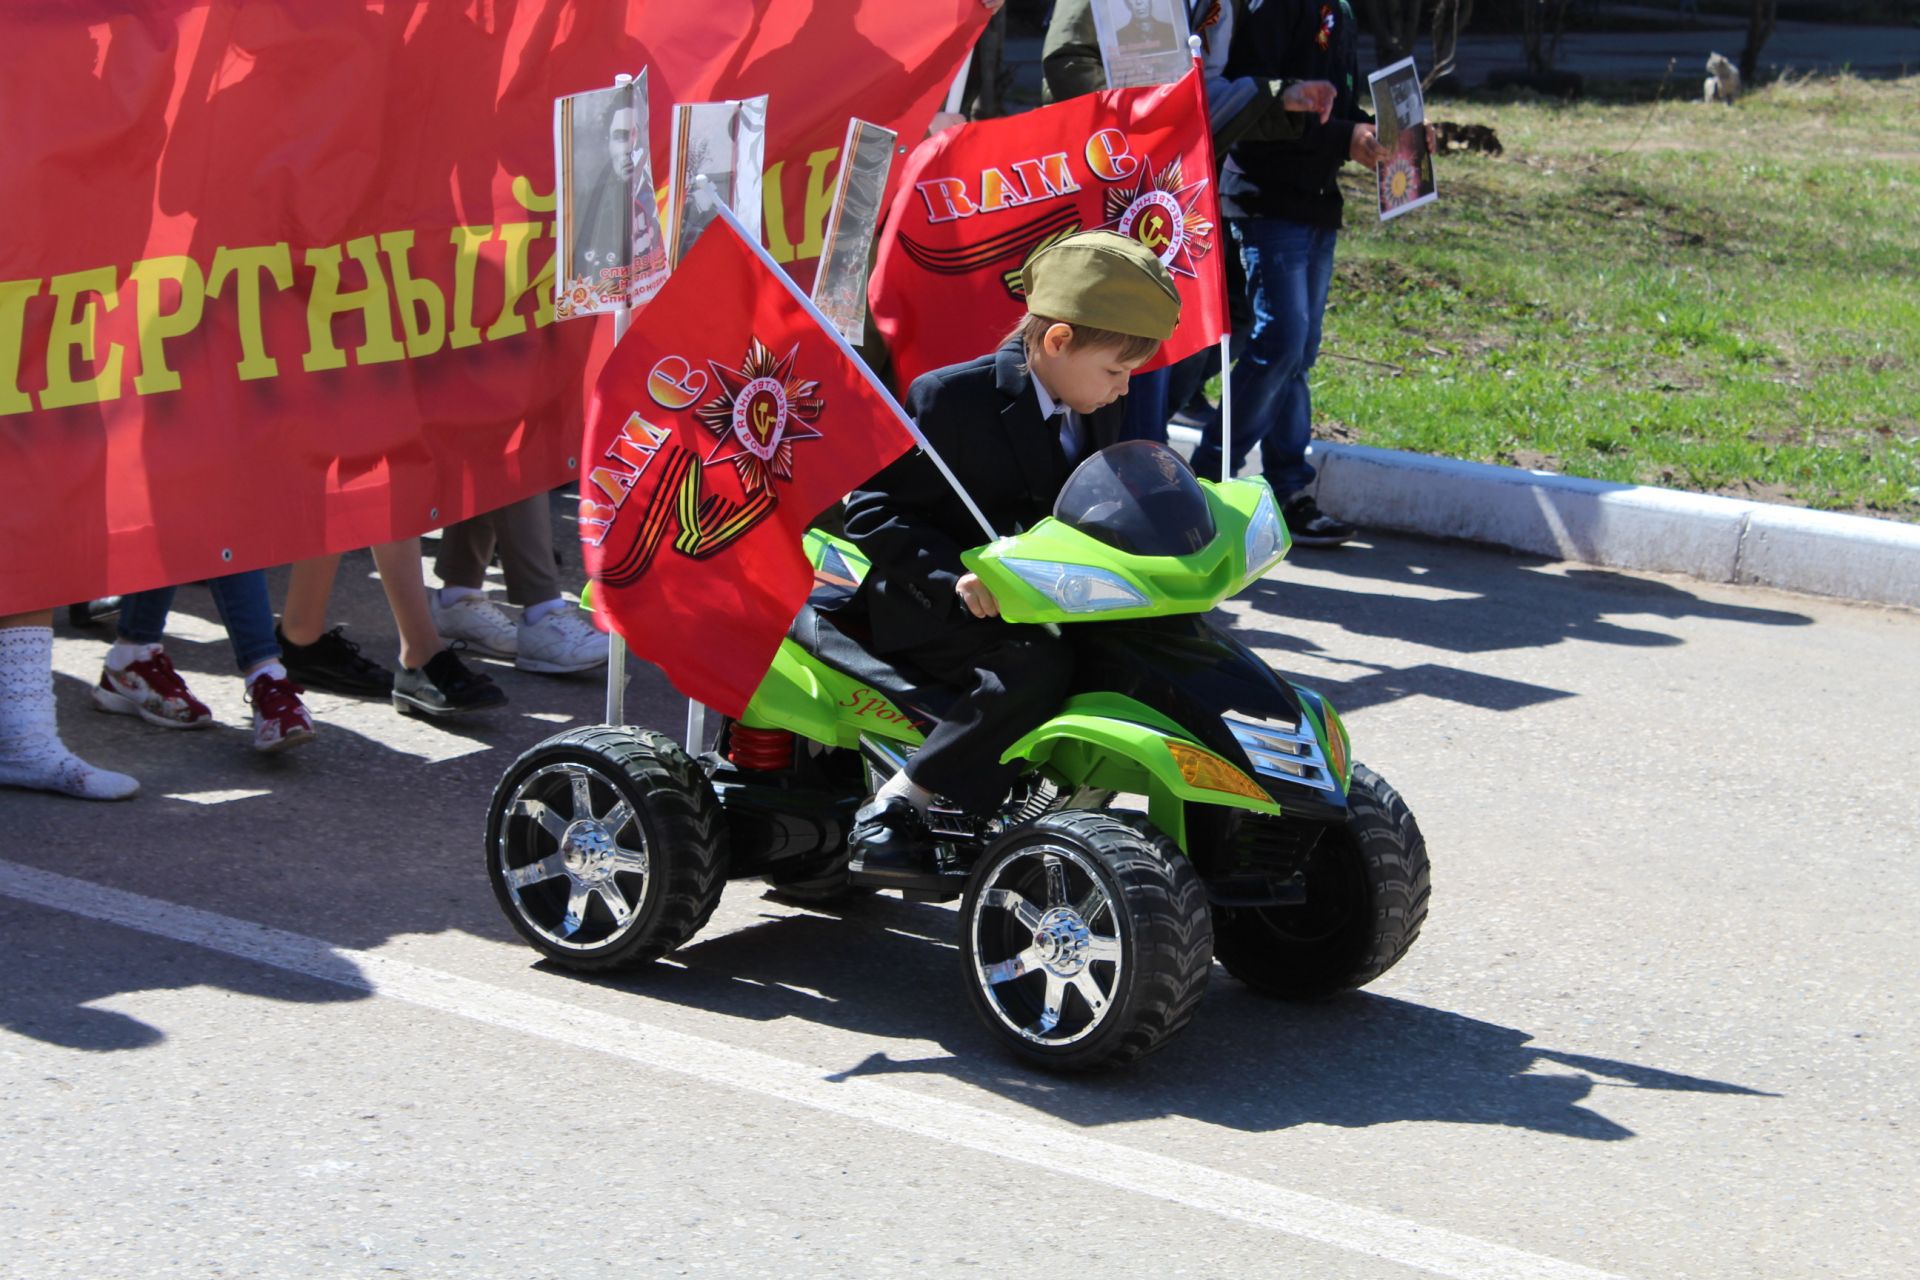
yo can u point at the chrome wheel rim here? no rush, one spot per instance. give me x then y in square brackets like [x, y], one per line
[1044, 944]
[573, 857]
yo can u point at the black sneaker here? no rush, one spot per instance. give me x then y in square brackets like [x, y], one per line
[1309, 526]
[446, 686]
[888, 838]
[333, 663]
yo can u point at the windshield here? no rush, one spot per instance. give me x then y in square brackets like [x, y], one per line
[1137, 497]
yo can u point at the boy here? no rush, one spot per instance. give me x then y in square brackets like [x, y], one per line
[1012, 425]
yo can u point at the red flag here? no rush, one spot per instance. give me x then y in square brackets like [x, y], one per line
[976, 201]
[726, 419]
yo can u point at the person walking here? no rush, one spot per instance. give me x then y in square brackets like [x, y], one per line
[1281, 200]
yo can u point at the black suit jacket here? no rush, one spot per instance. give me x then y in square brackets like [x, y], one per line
[984, 419]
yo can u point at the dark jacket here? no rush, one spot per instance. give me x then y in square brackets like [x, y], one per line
[984, 419]
[1295, 179]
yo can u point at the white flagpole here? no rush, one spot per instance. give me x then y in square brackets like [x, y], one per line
[1226, 408]
[617, 647]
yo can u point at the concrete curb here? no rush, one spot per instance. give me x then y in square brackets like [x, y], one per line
[1622, 526]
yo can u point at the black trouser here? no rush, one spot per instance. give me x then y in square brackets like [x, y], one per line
[1012, 679]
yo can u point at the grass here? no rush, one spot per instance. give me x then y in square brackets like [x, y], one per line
[1721, 300]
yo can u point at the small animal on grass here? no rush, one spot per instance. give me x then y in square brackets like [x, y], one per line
[1723, 80]
[1466, 137]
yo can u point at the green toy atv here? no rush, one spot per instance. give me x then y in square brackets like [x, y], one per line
[1087, 931]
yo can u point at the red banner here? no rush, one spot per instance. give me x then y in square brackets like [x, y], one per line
[726, 420]
[278, 274]
[978, 200]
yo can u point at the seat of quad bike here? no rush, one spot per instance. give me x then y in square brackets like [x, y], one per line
[840, 640]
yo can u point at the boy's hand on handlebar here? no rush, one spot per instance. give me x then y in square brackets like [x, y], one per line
[974, 594]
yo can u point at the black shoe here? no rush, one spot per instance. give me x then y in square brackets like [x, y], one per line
[333, 663]
[446, 686]
[1309, 526]
[888, 838]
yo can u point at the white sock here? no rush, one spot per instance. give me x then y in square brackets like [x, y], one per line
[272, 669]
[534, 612]
[907, 789]
[31, 753]
[453, 595]
[125, 653]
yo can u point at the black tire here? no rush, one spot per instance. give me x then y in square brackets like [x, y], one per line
[559, 855]
[1367, 890]
[1084, 895]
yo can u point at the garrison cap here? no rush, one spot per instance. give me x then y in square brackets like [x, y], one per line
[1103, 280]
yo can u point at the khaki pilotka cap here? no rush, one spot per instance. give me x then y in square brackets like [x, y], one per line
[1103, 280]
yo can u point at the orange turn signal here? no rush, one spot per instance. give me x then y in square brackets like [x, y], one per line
[1207, 770]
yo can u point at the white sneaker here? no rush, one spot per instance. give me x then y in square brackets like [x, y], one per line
[482, 624]
[561, 642]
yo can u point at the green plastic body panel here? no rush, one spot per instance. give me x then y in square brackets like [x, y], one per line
[1192, 583]
[1113, 743]
[806, 696]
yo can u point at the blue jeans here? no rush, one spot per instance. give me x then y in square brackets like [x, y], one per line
[244, 607]
[1289, 268]
[1153, 398]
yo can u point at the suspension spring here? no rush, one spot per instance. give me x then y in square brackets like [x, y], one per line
[765, 750]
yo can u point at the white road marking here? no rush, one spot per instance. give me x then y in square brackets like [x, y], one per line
[1057, 1150]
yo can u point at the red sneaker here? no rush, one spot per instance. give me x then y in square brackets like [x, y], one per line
[151, 689]
[280, 719]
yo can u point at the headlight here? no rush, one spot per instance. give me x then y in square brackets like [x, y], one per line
[1078, 588]
[1267, 539]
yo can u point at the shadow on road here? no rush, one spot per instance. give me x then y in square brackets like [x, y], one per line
[888, 968]
[1464, 605]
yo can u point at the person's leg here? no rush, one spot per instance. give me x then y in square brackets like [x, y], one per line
[552, 637]
[1283, 454]
[461, 610]
[137, 678]
[280, 719]
[1013, 687]
[1274, 253]
[1012, 679]
[316, 656]
[31, 753]
[431, 679]
[309, 591]
[247, 612]
[465, 549]
[1148, 407]
[404, 580]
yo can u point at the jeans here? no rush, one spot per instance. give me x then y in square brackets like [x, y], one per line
[244, 607]
[1153, 398]
[1289, 268]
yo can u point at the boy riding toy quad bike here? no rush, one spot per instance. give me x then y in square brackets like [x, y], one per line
[1087, 929]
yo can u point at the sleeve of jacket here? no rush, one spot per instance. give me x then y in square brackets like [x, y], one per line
[1070, 59]
[902, 517]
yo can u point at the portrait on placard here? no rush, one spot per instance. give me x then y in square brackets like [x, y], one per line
[1142, 24]
[594, 137]
[1142, 41]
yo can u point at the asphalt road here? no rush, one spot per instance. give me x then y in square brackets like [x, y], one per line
[266, 1020]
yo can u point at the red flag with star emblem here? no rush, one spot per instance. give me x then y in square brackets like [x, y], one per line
[976, 201]
[728, 417]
